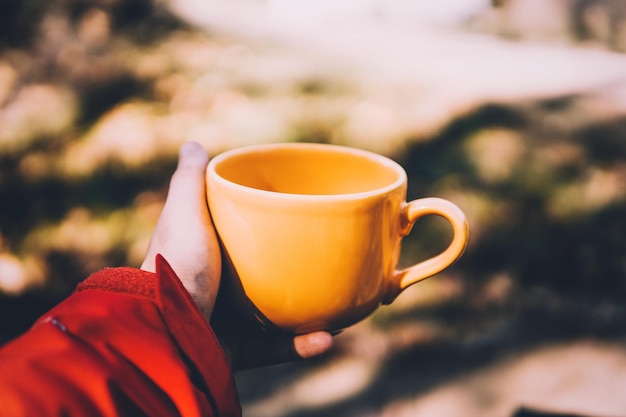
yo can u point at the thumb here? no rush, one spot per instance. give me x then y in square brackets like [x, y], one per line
[184, 234]
[188, 179]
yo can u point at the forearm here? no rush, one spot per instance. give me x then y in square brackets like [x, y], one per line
[128, 342]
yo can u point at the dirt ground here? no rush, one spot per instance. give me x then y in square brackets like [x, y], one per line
[516, 113]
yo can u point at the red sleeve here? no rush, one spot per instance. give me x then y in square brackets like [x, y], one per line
[126, 343]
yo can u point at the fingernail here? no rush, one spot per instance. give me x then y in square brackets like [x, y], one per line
[192, 153]
[189, 148]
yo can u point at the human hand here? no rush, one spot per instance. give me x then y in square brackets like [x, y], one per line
[185, 237]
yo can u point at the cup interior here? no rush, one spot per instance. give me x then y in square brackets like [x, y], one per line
[308, 169]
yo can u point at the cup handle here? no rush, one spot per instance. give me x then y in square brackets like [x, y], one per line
[411, 212]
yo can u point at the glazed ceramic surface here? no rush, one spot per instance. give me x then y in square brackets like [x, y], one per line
[312, 232]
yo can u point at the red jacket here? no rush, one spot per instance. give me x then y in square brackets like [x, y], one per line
[126, 343]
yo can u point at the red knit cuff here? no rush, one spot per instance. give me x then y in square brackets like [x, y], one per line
[124, 280]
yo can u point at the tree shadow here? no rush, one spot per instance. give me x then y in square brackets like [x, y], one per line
[27, 205]
[567, 270]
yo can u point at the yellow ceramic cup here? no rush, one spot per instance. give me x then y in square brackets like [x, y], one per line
[311, 233]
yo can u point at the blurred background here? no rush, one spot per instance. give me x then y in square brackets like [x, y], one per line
[513, 109]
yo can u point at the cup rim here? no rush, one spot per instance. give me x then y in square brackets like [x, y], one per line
[381, 159]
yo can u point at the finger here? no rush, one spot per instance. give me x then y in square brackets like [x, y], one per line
[312, 344]
[271, 349]
[183, 207]
[188, 178]
[184, 233]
